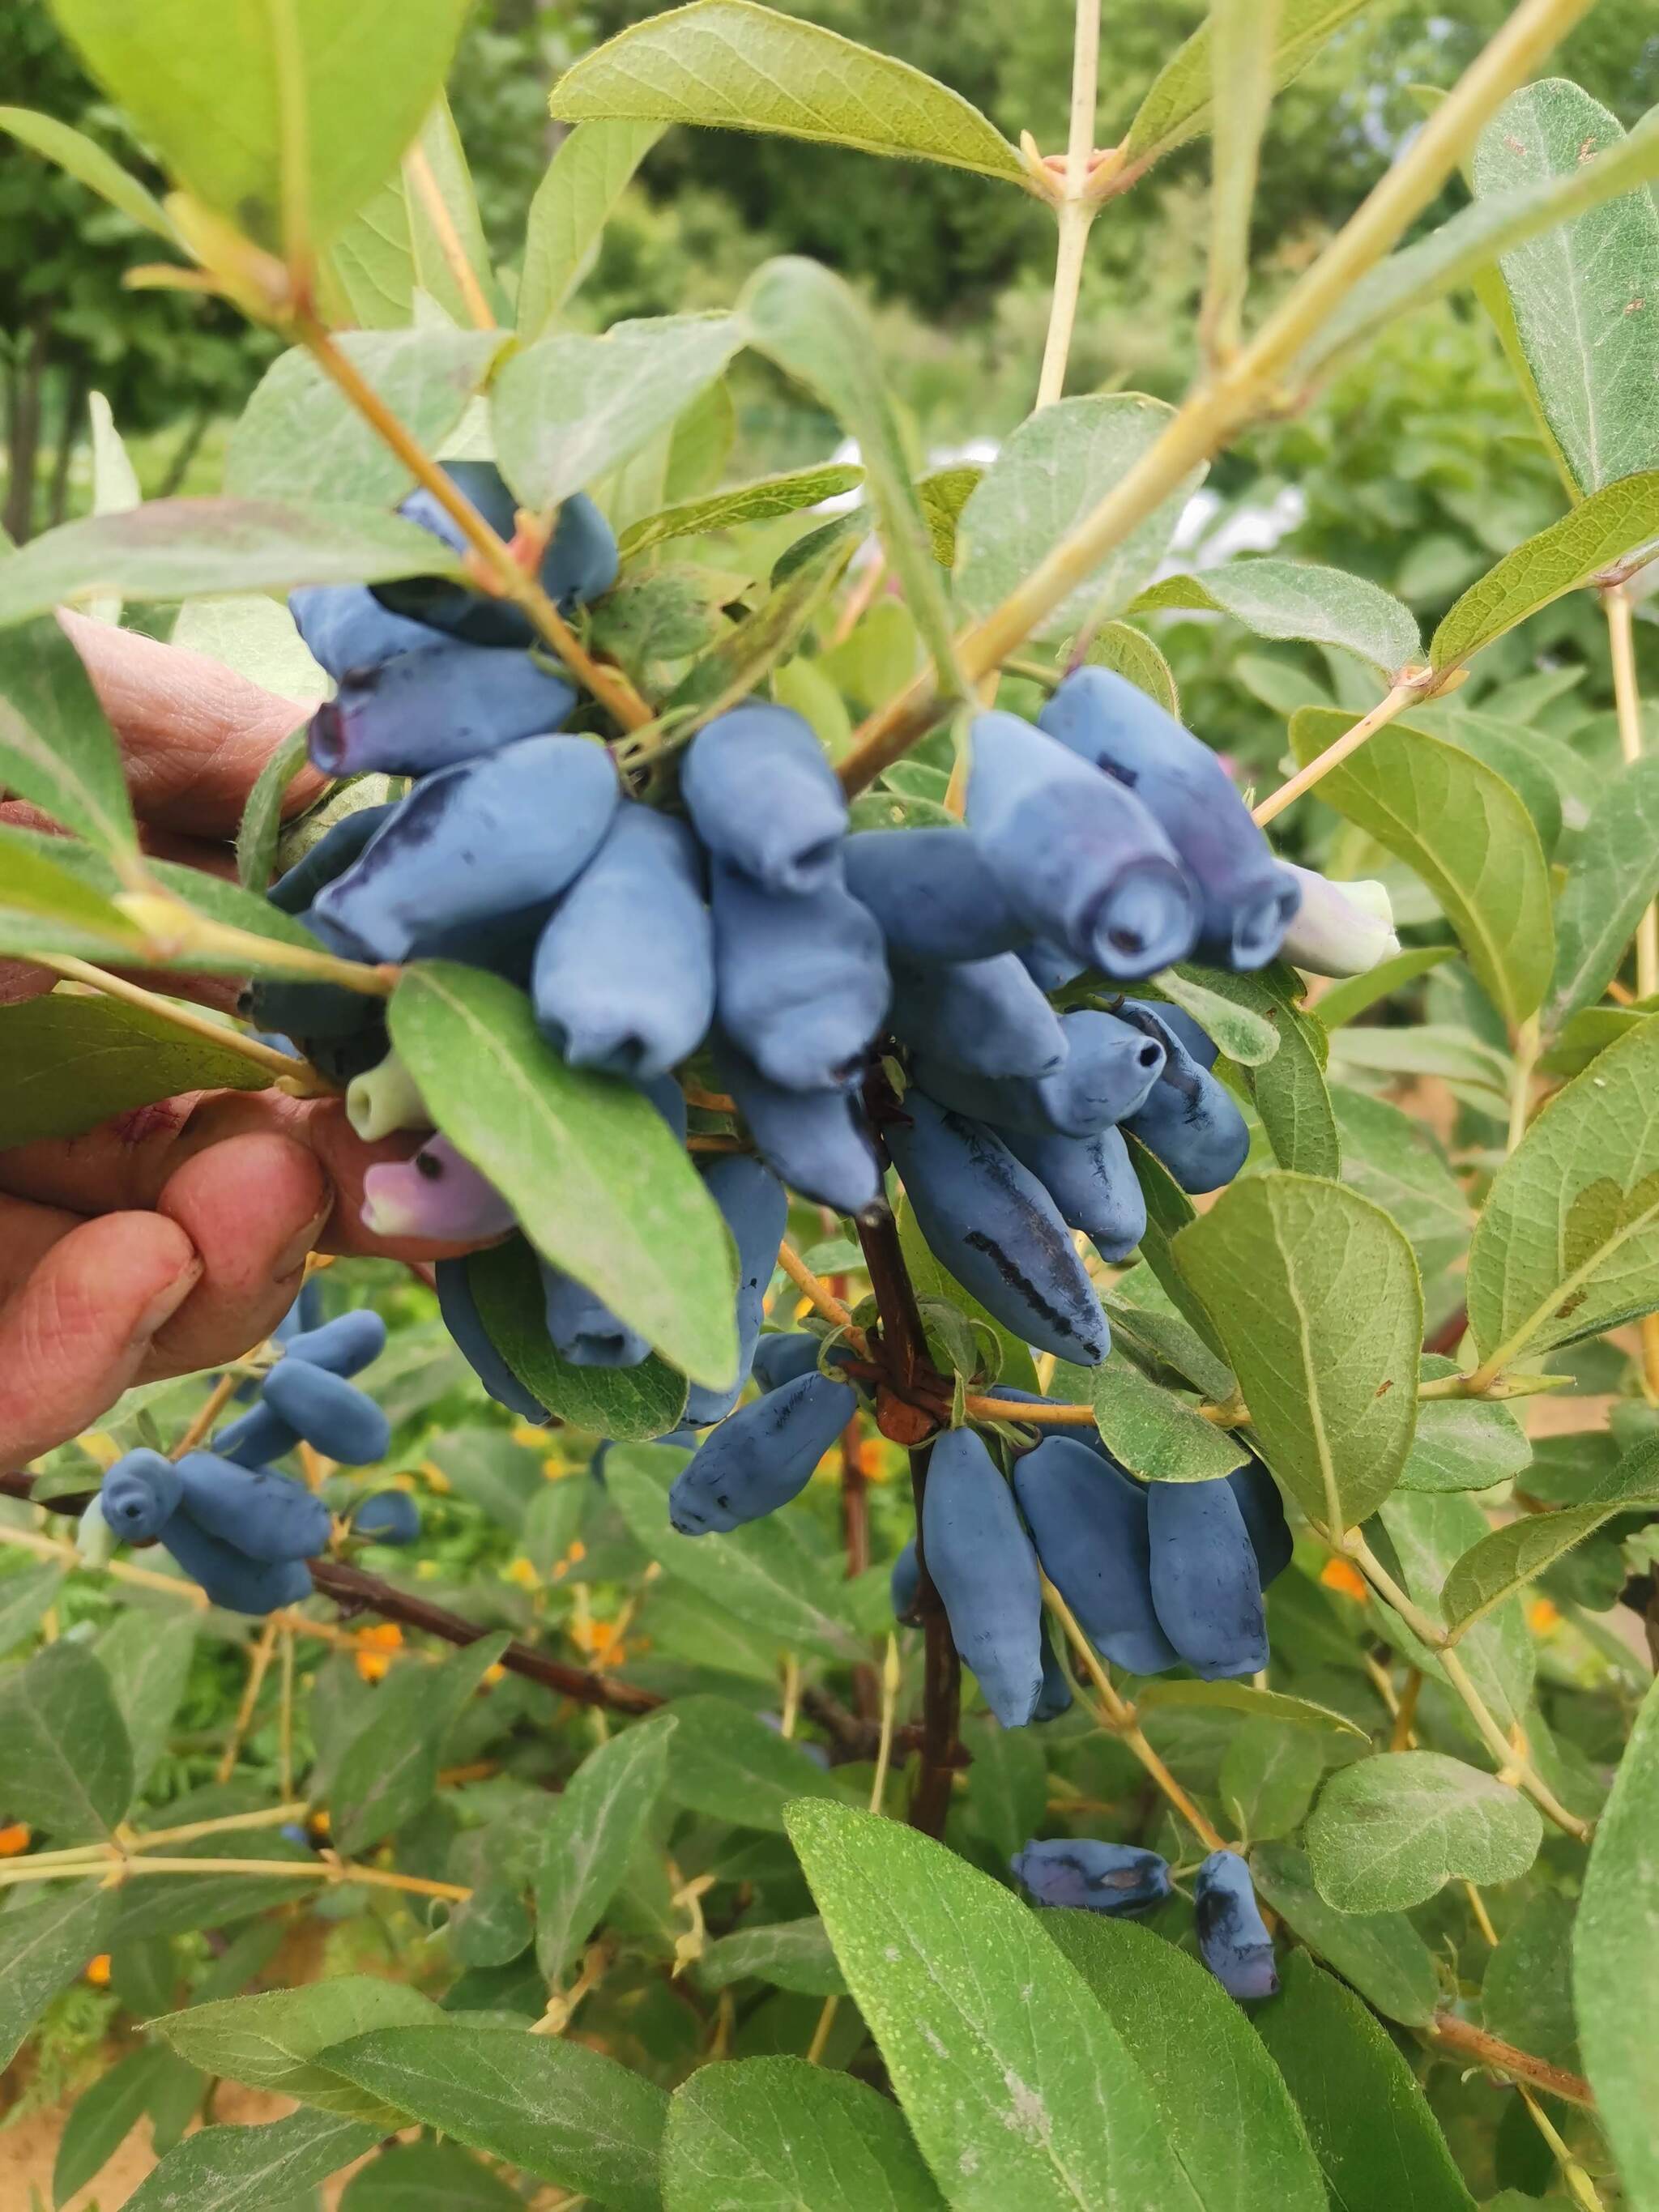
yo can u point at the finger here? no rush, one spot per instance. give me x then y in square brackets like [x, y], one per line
[253, 1207]
[28, 1233]
[128, 1161]
[194, 734]
[77, 1332]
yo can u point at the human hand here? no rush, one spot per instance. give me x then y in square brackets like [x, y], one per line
[174, 1238]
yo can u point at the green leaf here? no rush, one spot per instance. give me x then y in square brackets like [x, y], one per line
[814, 326]
[427, 2177]
[558, 2110]
[103, 2117]
[1429, 1533]
[791, 1955]
[1378, 2143]
[1394, 1161]
[56, 746]
[943, 493]
[148, 1662]
[24, 1599]
[1570, 554]
[1616, 1960]
[1154, 1333]
[1169, 1210]
[1462, 251]
[1051, 473]
[171, 548]
[1228, 1016]
[1510, 1558]
[1380, 1953]
[249, 2169]
[587, 1163]
[725, 1762]
[1463, 1444]
[624, 1403]
[1354, 993]
[1180, 103]
[1019, 2089]
[1464, 831]
[1391, 1830]
[1579, 294]
[1567, 1244]
[1287, 1083]
[299, 438]
[760, 502]
[45, 1941]
[593, 167]
[734, 66]
[1300, 599]
[1515, 756]
[256, 636]
[776, 2135]
[1315, 1294]
[76, 1058]
[1614, 880]
[763, 1572]
[741, 660]
[1227, 2114]
[47, 908]
[1526, 1995]
[1242, 36]
[176, 1904]
[264, 112]
[65, 1763]
[1154, 1433]
[1119, 645]
[598, 1822]
[86, 160]
[273, 2040]
[570, 408]
[1268, 1778]
[389, 1771]
[395, 248]
[1008, 1783]
[261, 825]
[1244, 1698]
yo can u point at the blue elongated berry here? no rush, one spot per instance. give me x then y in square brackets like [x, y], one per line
[936, 895]
[1093, 1184]
[389, 1516]
[1206, 1585]
[439, 1195]
[1249, 901]
[816, 1141]
[259, 1437]
[904, 1586]
[669, 1100]
[1085, 862]
[982, 1563]
[344, 1345]
[1263, 1509]
[780, 1359]
[334, 852]
[1050, 967]
[466, 1326]
[1189, 1120]
[582, 1327]
[137, 1495]
[985, 1016]
[1092, 1876]
[578, 564]
[228, 1576]
[1107, 1071]
[1198, 1040]
[761, 1456]
[279, 1004]
[428, 708]
[624, 973]
[348, 632]
[332, 1415]
[1056, 1695]
[801, 978]
[489, 838]
[990, 1222]
[266, 1515]
[1088, 1520]
[764, 799]
[1232, 1937]
[756, 1209]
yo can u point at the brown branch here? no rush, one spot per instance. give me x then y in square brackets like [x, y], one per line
[941, 1711]
[1474, 2044]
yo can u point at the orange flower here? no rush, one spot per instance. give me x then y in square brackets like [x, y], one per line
[436, 1479]
[494, 1674]
[1542, 1615]
[14, 1838]
[98, 1971]
[375, 1646]
[1340, 1575]
[598, 1638]
[520, 1571]
[318, 1822]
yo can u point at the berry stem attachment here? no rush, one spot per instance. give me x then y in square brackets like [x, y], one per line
[608, 685]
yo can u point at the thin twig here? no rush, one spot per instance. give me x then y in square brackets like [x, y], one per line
[1401, 696]
[297, 1076]
[206, 1415]
[258, 1668]
[1074, 212]
[418, 170]
[1621, 639]
[1474, 2044]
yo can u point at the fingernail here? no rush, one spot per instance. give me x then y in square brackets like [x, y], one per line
[166, 1303]
[293, 1254]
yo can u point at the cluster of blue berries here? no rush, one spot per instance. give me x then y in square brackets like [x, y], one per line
[745, 920]
[1090, 1876]
[241, 1528]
